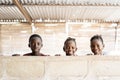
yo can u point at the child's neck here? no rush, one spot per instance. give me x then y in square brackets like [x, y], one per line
[36, 53]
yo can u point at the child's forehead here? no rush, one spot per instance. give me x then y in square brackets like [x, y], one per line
[70, 42]
[35, 38]
[96, 40]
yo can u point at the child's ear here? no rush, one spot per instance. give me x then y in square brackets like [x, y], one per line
[28, 45]
[41, 45]
[63, 48]
[76, 49]
[103, 45]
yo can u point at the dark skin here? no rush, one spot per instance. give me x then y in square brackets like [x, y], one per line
[16, 55]
[70, 48]
[35, 44]
[97, 46]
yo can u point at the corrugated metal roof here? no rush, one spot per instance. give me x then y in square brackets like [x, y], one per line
[101, 10]
[10, 12]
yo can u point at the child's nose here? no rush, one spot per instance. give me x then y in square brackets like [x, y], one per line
[95, 47]
[35, 45]
[70, 48]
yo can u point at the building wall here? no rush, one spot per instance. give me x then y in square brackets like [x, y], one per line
[14, 37]
[60, 68]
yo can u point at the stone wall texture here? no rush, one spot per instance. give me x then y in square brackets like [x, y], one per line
[60, 68]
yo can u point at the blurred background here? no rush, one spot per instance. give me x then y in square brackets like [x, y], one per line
[55, 20]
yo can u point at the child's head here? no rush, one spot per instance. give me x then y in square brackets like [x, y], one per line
[70, 46]
[35, 43]
[96, 44]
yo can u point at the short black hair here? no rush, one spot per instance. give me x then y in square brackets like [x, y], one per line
[69, 39]
[99, 37]
[35, 35]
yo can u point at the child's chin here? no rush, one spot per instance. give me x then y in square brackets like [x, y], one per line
[36, 51]
[70, 54]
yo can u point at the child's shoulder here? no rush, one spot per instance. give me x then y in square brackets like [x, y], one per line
[31, 54]
[41, 54]
[15, 54]
[28, 54]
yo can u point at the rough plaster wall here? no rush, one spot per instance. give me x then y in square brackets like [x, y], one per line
[60, 68]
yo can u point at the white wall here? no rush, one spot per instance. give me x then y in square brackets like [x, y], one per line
[60, 68]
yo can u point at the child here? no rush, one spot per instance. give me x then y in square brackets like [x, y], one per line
[35, 43]
[15, 54]
[69, 47]
[97, 45]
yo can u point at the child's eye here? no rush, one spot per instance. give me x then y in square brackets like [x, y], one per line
[38, 43]
[92, 46]
[32, 44]
[67, 47]
[98, 45]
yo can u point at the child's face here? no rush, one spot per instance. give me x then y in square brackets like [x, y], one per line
[97, 47]
[35, 44]
[70, 48]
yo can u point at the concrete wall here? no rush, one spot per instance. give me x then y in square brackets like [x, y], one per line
[60, 68]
